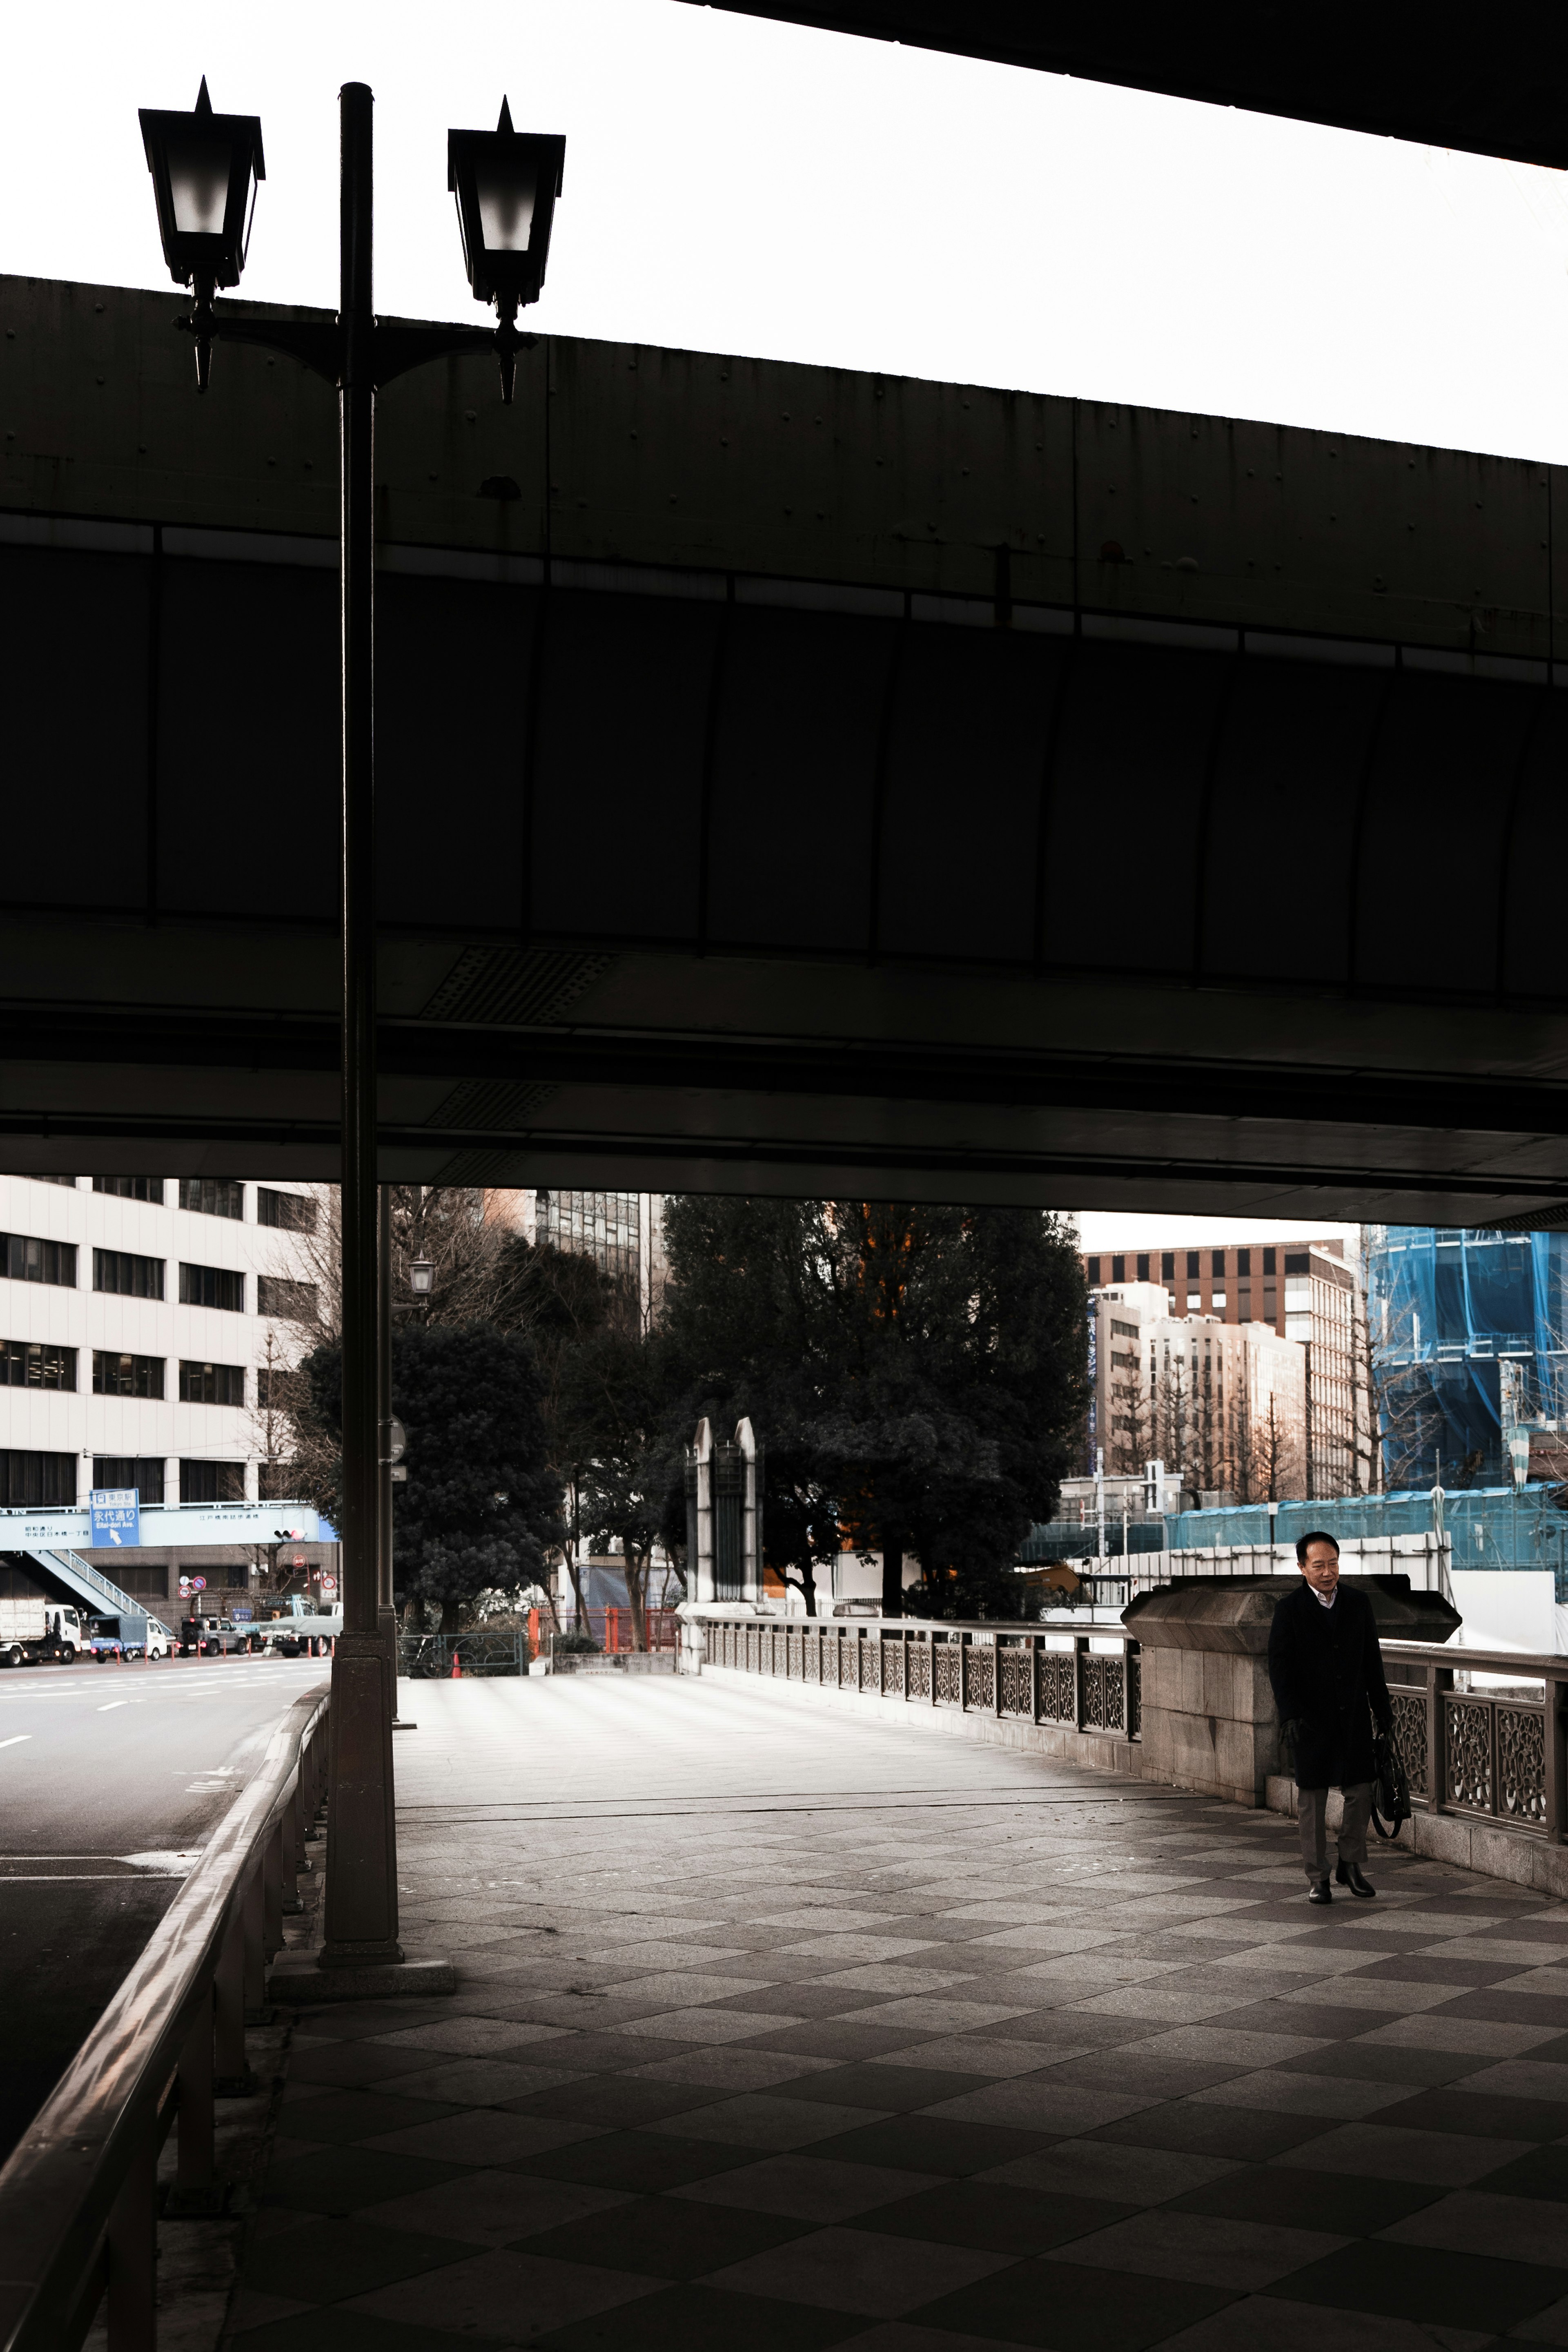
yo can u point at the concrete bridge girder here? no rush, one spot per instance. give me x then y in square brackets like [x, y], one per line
[786, 776]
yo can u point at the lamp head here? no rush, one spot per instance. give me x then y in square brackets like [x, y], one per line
[204, 170]
[506, 182]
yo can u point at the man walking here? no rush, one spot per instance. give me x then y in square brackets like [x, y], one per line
[1326, 1668]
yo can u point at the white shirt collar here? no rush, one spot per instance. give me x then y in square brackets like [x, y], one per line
[1323, 1600]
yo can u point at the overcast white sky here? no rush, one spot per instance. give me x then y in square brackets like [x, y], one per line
[744, 186]
[1114, 1230]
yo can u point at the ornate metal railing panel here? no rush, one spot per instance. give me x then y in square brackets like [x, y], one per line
[949, 1682]
[1058, 1686]
[979, 1678]
[1016, 1667]
[1410, 1739]
[1470, 1777]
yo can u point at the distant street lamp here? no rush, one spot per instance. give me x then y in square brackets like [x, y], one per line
[204, 168]
[421, 1277]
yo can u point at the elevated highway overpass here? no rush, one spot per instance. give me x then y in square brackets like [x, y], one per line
[789, 779]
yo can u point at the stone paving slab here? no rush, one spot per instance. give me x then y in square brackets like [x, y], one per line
[774, 2030]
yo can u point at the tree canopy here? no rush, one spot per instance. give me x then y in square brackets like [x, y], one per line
[482, 1503]
[918, 1375]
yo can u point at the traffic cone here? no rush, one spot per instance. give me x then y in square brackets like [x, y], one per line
[457, 1669]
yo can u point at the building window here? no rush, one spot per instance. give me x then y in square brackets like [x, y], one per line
[291, 1302]
[1243, 1261]
[1219, 1299]
[294, 1212]
[1268, 1266]
[212, 1482]
[1091, 1268]
[27, 1260]
[54, 1180]
[211, 1197]
[1216, 1264]
[211, 1286]
[1195, 1302]
[1167, 1265]
[127, 1276]
[1143, 1265]
[144, 1583]
[132, 1188]
[37, 1481]
[127, 1376]
[1118, 1269]
[1298, 1262]
[33, 1364]
[212, 1384]
[144, 1472]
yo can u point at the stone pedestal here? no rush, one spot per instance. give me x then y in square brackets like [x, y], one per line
[1210, 1722]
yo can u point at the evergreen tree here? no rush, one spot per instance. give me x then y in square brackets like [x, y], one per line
[482, 1502]
[918, 1376]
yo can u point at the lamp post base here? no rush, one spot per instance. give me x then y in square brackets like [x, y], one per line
[361, 1911]
[300, 1982]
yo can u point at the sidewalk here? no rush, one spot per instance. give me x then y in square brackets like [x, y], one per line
[779, 2029]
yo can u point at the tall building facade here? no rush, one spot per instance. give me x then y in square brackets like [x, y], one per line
[1223, 1405]
[1308, 1291]
[623, 1232]
[142, 1322]
[1469, 1332]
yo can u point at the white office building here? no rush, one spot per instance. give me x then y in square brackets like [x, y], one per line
[141, 1320]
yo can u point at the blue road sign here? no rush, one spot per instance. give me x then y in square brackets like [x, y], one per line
[114, 1515]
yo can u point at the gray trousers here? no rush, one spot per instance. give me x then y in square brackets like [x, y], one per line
[1311, 1819]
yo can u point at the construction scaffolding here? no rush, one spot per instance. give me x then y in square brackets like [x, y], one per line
[1467, 1334]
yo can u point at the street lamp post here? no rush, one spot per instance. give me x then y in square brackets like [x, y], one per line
[204, 168]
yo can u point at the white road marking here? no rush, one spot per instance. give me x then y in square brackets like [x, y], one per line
[15, 1740]
[112, 1705]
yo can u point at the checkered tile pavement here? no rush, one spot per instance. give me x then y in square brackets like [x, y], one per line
[783, 2029]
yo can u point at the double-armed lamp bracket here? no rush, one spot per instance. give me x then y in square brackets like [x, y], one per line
[395, 346]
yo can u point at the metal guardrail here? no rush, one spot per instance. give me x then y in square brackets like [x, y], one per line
[1495, 1754]
[78, 2196]
[1089, 1682]
[430, 1657]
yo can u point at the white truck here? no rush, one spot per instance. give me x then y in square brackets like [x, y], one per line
[33, 1627]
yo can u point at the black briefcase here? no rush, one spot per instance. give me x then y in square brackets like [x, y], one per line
[1390, 1790]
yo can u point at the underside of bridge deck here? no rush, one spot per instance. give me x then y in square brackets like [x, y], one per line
[1449, 85]
[788, 780]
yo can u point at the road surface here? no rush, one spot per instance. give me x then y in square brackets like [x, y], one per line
[111, 1780]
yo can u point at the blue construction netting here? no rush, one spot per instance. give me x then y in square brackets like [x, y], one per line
[1490, 1527]
[1468, 1330]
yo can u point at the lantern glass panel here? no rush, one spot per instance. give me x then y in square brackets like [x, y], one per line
[505, 188]
[199, 183]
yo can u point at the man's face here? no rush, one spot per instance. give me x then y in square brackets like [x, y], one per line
[1321, 1566]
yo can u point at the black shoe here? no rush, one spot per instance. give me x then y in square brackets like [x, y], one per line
[1320, 1891]
[1349, 1875]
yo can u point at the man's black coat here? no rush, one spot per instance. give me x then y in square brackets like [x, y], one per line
[1327, 1672]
